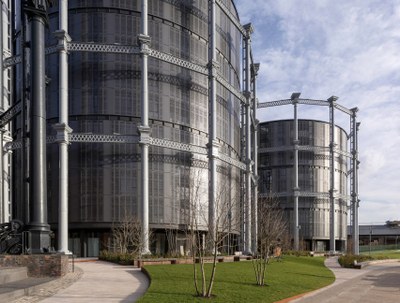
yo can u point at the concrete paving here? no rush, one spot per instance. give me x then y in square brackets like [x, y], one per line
[94, 281]
[379, 282]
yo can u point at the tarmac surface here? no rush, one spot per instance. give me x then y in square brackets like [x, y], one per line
[94, 281]
[377, 282]
[98, 281]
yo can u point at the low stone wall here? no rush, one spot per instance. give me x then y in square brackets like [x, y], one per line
[373, 262]
[238, 258]
[141, 263]
[162, 261]
[182, 261]
[45, 265]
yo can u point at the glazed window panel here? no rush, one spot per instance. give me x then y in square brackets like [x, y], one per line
[107, 86]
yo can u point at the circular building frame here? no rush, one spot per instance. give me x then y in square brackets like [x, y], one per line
[214, 153]
[333, 150]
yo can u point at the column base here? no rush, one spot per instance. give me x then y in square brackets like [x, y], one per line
[38, 239]
[146, 252]
[64, 252]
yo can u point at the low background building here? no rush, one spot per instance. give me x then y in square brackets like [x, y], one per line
[380, 237]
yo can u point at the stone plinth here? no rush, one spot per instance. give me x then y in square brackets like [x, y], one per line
[41, 265]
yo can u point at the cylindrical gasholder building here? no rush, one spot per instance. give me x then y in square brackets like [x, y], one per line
[104, 98]
[276, 165]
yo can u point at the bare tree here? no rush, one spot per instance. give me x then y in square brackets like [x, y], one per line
[171, 233]
[203, 243]
[272, 229]
[127, 235]
[195, 228]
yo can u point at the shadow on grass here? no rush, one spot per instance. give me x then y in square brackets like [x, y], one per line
[181, 297]
[240, 283]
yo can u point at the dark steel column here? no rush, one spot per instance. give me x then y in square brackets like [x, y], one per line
[254, 242]
[354, 181]
[38, 226]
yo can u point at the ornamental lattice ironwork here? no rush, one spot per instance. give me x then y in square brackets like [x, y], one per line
[11, 237]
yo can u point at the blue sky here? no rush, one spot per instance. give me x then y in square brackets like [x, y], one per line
[350, 49]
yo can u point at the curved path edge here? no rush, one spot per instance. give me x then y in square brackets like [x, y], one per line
[364, 280]
[95, 281]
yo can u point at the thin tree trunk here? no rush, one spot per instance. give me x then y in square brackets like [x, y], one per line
[203, 273]
[214, 268]
[196, 287]
[255, 263]
[265, 263]
[203, 277]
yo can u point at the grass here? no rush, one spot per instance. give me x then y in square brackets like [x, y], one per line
[235, 282]
[384, 254]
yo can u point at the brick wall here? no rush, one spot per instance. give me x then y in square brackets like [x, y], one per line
[52, 265]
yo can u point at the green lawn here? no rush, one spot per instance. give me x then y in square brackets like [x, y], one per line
[384, 254]
[235, 282]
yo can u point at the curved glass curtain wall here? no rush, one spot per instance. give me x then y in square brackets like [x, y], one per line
[276, 174]
[104, 98]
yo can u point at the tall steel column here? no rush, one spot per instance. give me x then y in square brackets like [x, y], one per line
[354, 181]
[247, 93]
[212, 123]
[2, 202]
[4, 105]
[62, 127]
[242, 178]
[23, 71]
[144, 128]
[254, 247]
[5, 196]
[1, 53]
[296, 189]
[38, 226]
[332, 145]
[3, 205]
[5, 102]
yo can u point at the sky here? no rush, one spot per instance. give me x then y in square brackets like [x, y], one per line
[349, 49]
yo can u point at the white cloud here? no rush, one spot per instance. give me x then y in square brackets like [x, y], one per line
[382, 210]
[350, 49]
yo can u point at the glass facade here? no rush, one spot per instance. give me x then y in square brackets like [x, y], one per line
[276, 162]
[104, 98]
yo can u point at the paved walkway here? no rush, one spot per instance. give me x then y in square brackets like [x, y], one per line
[99, 281]
[94, 281]
[378, 282]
